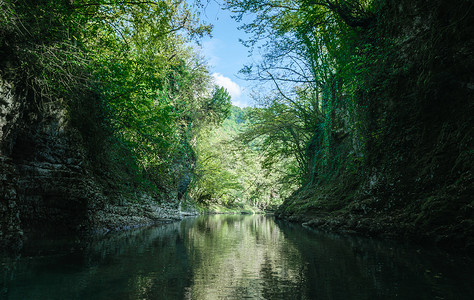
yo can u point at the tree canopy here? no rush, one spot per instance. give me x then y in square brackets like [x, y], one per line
[131, 79]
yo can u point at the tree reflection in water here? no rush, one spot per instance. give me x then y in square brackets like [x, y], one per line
[232, 257]
[241, 256]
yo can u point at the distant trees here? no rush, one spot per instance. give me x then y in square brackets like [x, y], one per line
[231, 172]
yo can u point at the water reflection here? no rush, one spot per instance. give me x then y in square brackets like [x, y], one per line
[232, 257]
[139, 264]
[235, 257]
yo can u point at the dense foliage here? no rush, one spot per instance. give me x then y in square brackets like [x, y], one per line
[234, 174]
[373, 100]
[133, 86]
[314, 57]
[368, 111]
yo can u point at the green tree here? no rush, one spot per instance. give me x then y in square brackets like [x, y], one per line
[133, 86]
[311, 57]
[231, 173]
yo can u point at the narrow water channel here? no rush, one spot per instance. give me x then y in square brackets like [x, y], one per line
[232, 257]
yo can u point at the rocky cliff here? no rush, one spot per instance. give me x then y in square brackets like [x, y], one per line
[404, 167]
[46, 182]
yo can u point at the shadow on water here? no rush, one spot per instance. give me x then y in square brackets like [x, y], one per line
[137, 264]
[342, 267]
[232, 257]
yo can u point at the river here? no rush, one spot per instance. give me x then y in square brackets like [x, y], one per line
[232, 257]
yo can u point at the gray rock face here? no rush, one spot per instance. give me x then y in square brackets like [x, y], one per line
[117, 218]
[55, 187]
[46, 183]
[10, 226]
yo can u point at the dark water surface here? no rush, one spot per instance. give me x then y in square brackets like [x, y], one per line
[232, 257]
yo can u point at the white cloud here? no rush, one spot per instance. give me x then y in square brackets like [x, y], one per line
[235, 91]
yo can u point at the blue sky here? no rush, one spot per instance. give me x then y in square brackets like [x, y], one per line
[225, 54]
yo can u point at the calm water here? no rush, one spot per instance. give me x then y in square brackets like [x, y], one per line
[232, 257]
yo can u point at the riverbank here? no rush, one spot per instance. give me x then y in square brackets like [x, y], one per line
[387, 227]
[438, 225]
[218, 209]
[134, 215]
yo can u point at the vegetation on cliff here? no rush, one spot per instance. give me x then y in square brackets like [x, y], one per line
[132, 84]
[368, 124]
[373, 101]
